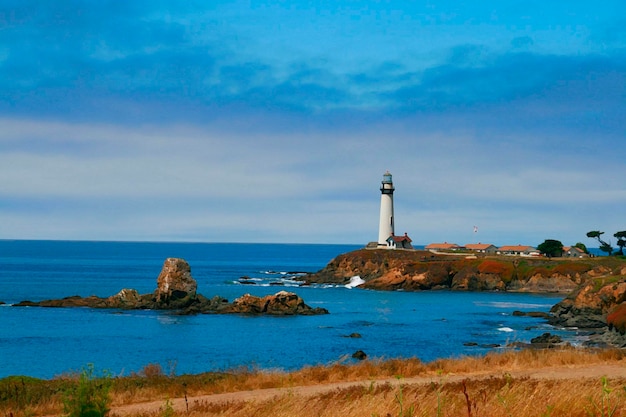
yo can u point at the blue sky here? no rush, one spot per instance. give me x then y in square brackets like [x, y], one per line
[256, 121]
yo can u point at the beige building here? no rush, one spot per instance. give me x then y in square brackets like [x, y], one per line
[573, 252]
[443, 246]
[518, 250]
[486, 248]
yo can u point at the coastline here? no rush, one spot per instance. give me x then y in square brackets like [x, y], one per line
[390, 316]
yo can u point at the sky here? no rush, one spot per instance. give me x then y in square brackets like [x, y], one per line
[274, 121]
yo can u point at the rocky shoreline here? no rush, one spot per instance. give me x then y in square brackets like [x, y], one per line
[594, 288]
[177, 292]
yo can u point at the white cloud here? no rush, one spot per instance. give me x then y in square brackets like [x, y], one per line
[190, 183]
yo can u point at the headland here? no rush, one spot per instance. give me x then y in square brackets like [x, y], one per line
[594, 288]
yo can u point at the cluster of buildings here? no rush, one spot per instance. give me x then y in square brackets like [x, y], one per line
[489, 249]
[389, 240]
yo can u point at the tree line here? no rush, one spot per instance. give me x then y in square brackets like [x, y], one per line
[606, 246]
[552, 247]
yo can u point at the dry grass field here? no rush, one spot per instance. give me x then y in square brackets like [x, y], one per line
[553, 382]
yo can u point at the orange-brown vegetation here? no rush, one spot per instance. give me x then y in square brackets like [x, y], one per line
[572, 268]
[616, 319]
[492, 266]
[512, 383]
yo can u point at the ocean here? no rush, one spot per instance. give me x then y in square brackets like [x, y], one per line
[48, 342]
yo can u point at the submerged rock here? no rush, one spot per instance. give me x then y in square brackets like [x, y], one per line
[537, 314]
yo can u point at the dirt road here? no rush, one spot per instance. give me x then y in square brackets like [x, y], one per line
[557, 373]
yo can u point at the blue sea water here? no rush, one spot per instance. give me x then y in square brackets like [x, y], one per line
[46, 342]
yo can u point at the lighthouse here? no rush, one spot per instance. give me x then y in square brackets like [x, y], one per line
[385, 226]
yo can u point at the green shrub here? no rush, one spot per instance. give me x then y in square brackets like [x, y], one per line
[89, 396]
[19, 392]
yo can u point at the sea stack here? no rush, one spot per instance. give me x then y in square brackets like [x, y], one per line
[176, 287]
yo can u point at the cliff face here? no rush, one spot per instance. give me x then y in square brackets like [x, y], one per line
[421, 270]
[597, 302]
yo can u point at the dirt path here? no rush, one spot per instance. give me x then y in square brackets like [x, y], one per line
[558, 373]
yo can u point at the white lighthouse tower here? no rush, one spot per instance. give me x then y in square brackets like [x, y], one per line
[385, 226]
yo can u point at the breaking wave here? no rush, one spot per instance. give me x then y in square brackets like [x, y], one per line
[355, 281]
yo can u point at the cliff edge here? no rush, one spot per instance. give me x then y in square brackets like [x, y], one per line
[384, 269]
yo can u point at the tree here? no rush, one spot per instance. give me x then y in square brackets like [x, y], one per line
[551, 247]
[604, 246]
[621, 241]
[582, 247]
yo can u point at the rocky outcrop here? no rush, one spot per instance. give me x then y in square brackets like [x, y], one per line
[599, 306]
[282, 303]
[590, 304]
[383, 269]
[177, 291]
[544, 341]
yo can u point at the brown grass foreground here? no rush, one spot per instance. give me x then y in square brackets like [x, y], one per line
[554, 382]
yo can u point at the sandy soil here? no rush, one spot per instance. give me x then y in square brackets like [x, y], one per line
[565, 372]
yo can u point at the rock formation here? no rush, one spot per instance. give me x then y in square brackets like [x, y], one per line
[422, 270]
[598, 304]
[177, 291]
[280, 304]
[175, 286]
[589, 305]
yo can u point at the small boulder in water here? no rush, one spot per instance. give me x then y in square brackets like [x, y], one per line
[359, 355]
[546, 339]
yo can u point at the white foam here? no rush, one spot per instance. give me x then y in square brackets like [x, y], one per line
[503, 304]
[505, 329]
[355, 281]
